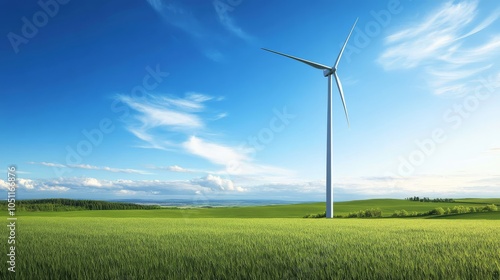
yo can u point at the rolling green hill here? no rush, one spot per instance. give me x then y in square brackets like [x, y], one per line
[480, 200]
[388, 206]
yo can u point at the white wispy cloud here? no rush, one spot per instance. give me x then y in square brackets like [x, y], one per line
[53, 189]
[411, 46]
[91, 182]
[235, 161]
[26, 183]
[484, 24]
[107, 168]
[160, 120]
[49, 164]
[176, 168]
[32, 185]
[127, 192]
[213, 152]
[92, 167]
[214, 182]
[4, 185]
[156, 111]
[286, 189]
[219, 116]
[149, 140]
[441, 45]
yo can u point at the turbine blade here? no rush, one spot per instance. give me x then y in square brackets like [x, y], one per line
[339, 85]
[310, 63]
[343, 47]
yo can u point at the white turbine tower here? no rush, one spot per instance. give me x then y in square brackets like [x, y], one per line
[328, 72]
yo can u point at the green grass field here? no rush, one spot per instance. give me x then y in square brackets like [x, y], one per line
[215, 243]
[471, 216]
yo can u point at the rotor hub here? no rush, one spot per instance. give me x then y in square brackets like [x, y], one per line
[328, 72]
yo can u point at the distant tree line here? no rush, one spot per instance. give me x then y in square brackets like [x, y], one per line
[377, 213]
[445, 211]
[426, 199]
[62, 204]
[368, 213]
[319, 215]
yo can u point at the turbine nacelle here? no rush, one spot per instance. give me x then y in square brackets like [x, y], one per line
[328, 72]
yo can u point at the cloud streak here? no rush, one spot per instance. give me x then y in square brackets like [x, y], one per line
[162, 111]
[213, 152]
[92, 167]
[214, 182]
[176, 168]
[438, 44]
[228, 22]
[48, 164]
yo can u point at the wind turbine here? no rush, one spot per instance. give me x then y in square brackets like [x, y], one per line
[328, 72]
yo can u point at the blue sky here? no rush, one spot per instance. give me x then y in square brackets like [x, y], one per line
[167, 99]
